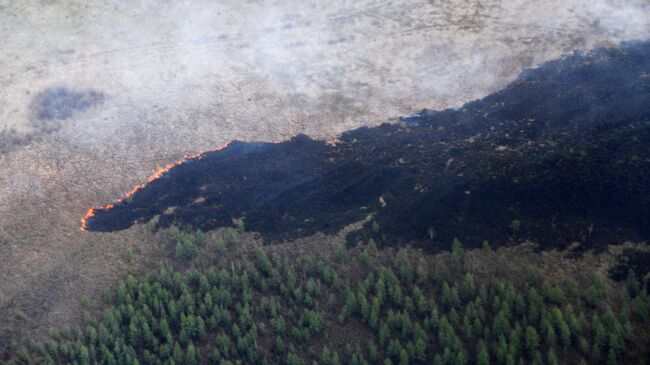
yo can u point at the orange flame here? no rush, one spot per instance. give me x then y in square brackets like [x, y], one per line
[91, 213]
[155, 176]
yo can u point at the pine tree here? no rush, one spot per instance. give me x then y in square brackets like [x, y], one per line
[365, 259]
[384, 333]
[600, 333]
[631, 283]
[420, 345]
[178, 354]
[482, 355]
[293, 359]
[596, 352]
[461, 358]
[84, 356]
[437, 360]
[583, 345]
[549, 333]
[552, 357]
[457, 255]
[515, 341]
[421, 272]
[373, 353]
[468, 288]
[502, 349]
[533, 277]
[403, 358]
[501, 325]
[532, 339]
[134, 335]
[349, 307]
[485, 246]
[404, 266]
[449, 295]
[565, 334]
[467, 327]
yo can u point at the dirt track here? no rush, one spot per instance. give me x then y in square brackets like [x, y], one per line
[183, 78]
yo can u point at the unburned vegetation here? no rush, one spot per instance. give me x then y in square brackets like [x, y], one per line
[225, 299]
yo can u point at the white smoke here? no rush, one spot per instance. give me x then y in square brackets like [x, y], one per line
[622, 19]
[184, 76]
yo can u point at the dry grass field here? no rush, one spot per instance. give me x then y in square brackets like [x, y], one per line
[180, 77]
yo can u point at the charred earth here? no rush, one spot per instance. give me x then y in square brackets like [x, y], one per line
[560, 155]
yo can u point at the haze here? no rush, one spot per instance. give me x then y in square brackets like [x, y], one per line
[181, 77]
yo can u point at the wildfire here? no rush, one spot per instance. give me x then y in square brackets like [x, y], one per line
[155, 176]
[91, 213]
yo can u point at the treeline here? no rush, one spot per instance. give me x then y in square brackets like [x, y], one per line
[365, 307]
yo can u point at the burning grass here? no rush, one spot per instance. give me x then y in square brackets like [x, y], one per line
[556, 157]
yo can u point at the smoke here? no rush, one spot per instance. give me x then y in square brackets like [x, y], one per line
[311, 66]
[179, 77]
[627, 20]
[382, 59]
[182, 77]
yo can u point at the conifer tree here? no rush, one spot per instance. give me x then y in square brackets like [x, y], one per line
[457, 255]
[552, 357]
[482, 355]
[532, 339]
[403, 358]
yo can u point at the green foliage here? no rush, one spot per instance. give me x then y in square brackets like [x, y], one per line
[515, 225]
[229, 238]
[365, 258]
[532, 339]
[128, 254]
[241, 226]
[340, 254]
[375, 226]
[186, 243]
[486, 246]
[482, 355]
[252, 307]
[108, 296]
[85, 301]
[457, 254]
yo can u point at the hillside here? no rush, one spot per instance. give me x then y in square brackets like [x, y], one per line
[511, 230]
[226, 299]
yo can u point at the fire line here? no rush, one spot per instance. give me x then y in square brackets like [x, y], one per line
[155, 176]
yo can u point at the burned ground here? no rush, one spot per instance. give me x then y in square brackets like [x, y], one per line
[182, 82]
[632, 261]
[560, 155]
